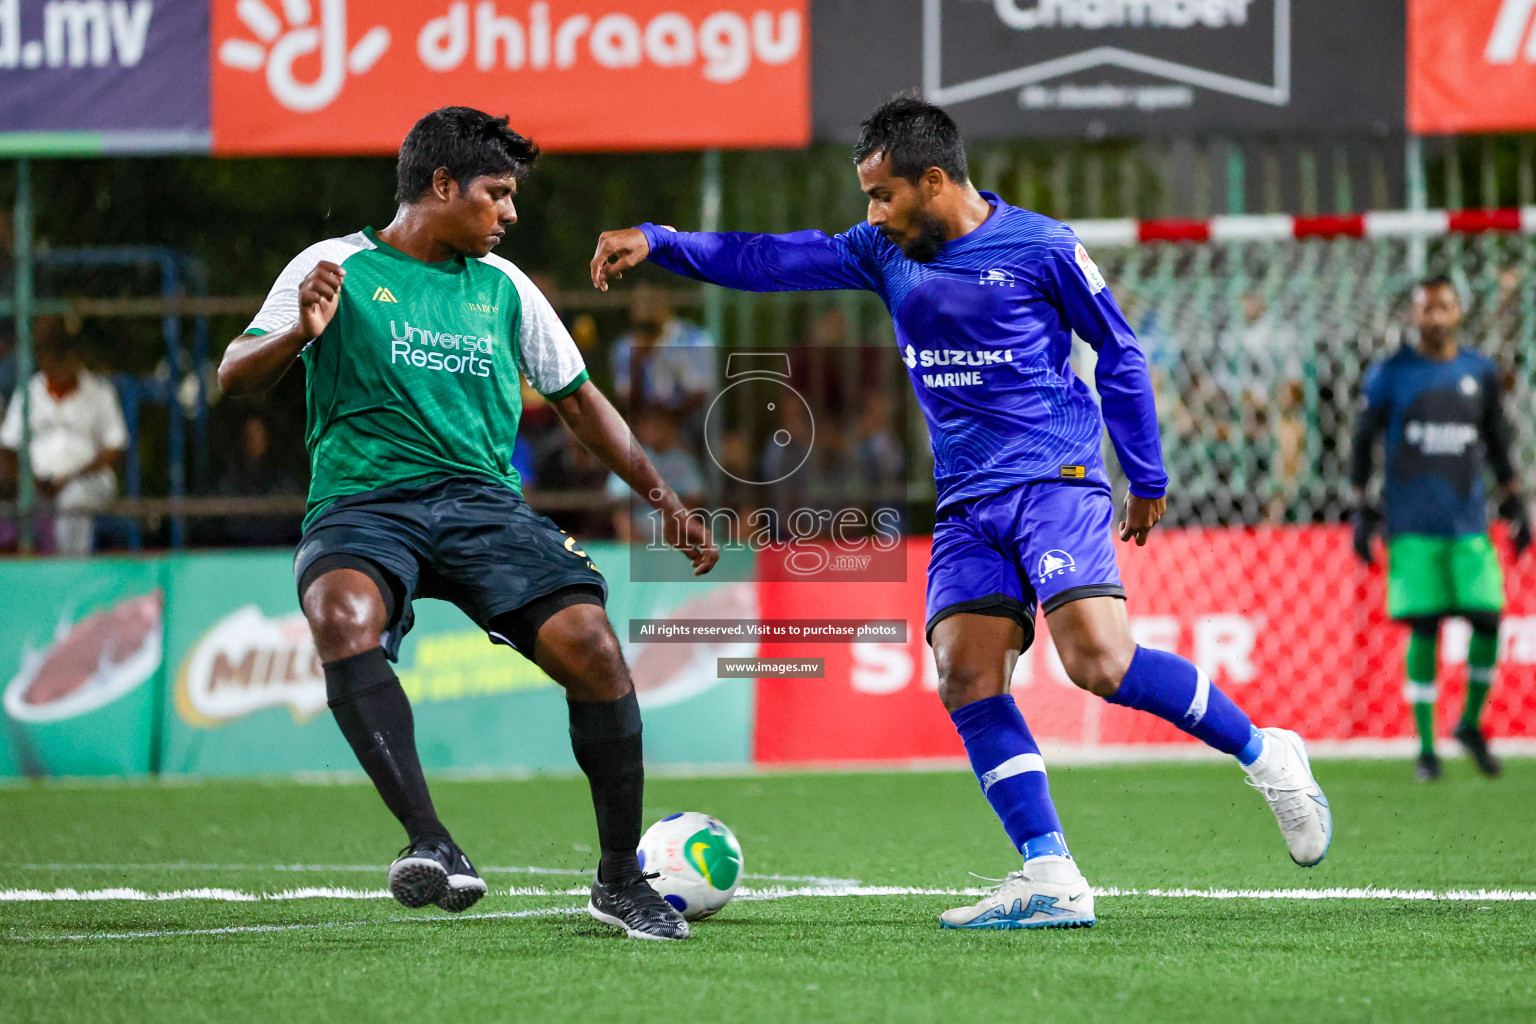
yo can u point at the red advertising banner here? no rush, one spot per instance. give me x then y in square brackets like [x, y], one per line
[1471, 66]
[1284, 619]
[326, 76]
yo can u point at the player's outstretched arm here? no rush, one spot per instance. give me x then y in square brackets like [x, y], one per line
[1122, 377]
[254, 363]
[798, 261]
[598, 425]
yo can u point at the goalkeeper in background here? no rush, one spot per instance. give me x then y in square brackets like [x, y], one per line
[1440, 409]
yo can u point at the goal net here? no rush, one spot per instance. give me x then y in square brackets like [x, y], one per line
[1258, 349]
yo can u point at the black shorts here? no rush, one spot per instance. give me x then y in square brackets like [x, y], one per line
[471, 542]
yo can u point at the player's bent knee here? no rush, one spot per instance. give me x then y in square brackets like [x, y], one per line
[1098, 669]
[344, 621]
[579, 650]
[963, 682]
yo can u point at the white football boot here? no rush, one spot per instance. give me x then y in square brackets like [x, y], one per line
[1048, 892]
[1283, 775]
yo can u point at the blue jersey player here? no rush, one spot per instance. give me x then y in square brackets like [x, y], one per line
[985, 298]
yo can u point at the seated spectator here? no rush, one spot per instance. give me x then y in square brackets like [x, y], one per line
[566, 465]
[78, 436]
[657, 433]
[665, 362]
[255, 473]
[881, 461]
[7, 365]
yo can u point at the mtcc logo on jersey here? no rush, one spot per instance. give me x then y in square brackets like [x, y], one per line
[997, 277]
[1055, 562]
[1469, 385]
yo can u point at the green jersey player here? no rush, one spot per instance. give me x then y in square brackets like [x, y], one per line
[1439, 408]
[413, 339]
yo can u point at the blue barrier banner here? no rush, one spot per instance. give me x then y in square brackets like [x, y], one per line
[104, 75]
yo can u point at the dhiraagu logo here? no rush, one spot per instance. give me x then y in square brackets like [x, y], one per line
[439, 350]
[715, 855]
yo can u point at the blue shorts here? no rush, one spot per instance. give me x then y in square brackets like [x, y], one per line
[998, 555]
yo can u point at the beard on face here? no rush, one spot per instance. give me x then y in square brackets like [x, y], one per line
[923, 246]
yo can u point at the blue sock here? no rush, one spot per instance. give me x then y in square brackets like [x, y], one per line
[1176, 691]
[1007, 763]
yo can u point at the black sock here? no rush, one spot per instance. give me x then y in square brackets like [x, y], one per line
[375, 717]
[605, 737]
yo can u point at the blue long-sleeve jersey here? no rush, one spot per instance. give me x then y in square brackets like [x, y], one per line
[985, 330]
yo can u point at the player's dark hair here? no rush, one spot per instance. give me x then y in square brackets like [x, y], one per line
[1437, 281]
[467, 142]
[914, 135]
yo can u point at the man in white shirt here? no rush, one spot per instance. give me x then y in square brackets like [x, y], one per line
[78, 436]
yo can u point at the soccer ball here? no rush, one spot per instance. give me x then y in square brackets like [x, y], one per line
[697, 859]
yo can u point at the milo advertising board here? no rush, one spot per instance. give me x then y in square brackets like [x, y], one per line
[246, 693]
[81, 655]
[203, 665]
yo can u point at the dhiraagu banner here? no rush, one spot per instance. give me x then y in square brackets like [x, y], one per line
[80, 665]
[246, 695]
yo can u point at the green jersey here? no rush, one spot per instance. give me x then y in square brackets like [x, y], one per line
[416, 376]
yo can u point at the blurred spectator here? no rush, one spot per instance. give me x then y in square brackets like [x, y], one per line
[78, 436]
[538, 432]
[731, 452]
[1161, 347]
[540, 453]
[1290, 447]
[564, 464]
[786, 451]
[881, 463]
[665, 362]
[1268, 349]
[255, 473]
[657, 433]
[581, 325]
[7, 365]
[7, 324]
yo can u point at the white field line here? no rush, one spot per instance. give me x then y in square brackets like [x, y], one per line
[774, 893]
[778, 892]
[516, 870]
[217, 895]
[256, 928]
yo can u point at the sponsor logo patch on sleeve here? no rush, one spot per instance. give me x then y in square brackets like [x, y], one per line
[1075, 472]
[1090, 270]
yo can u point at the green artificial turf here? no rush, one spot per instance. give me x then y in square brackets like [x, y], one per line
[812, 958]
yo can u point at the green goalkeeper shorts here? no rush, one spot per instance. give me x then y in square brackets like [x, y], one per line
[1429, 575]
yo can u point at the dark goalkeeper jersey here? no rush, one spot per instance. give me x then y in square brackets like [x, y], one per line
[1443, 424]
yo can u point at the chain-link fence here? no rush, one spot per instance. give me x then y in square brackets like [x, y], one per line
[1258, 351]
